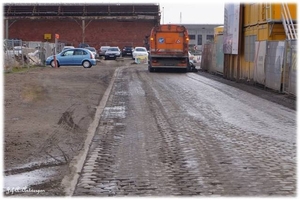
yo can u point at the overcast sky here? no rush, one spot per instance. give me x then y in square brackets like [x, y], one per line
[173, 11]
[192, 12]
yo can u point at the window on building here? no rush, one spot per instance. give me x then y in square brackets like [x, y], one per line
[210, 38]
[199, 42]
[192, 37]
[250, 48]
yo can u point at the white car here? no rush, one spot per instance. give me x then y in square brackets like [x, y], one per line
[68, 47]
[93, 50]
[112, 53]
[191, 60]
[102, 50]
[139, 51]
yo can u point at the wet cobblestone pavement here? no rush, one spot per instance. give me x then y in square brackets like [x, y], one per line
[177, 134]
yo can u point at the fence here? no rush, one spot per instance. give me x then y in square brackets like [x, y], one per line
[213, 57]
[18, 53]
[275, 64]
[13, 54]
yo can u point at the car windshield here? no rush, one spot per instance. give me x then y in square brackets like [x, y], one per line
[113, 49]
[104, 48]
[68, 47]
[140, 49]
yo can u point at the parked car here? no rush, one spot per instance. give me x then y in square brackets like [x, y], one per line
[139, 51]
[191, 58]
[192, 62]
[112, 53]
[83, 45]
[73, 57]
[17, 51]
[127, 51]
[93, 50]
[102, 50]
[68, 47]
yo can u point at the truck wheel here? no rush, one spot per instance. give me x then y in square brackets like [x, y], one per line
[150, 69]
[189, 68]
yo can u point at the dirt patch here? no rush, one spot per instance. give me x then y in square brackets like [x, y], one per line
[47, 112]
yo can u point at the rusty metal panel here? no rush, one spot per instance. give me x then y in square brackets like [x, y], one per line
[213, 59]
[259, 62]
[207, 57]
[274, 63]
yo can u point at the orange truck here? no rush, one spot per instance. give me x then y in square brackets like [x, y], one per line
[168, 47]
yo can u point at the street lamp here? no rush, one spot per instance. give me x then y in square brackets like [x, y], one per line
[163, 15]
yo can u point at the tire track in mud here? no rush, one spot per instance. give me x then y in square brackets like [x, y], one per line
[53, 147]
[254, 164]
[198, 176]
[153, 166]
[172, 151]
[157, 138]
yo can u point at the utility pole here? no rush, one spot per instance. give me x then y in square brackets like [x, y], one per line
[55, 50]
[83, 31]
[180, 18]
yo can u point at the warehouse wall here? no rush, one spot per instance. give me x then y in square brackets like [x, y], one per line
[97, 32]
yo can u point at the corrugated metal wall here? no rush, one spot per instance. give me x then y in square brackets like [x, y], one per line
[213, 56]
[257, 13]
[219, 68]
[206, 59]
[264, 56]
[259, 62]
[290, 69]
[274, 63]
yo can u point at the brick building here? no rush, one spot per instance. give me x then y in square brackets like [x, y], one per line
[94, 24]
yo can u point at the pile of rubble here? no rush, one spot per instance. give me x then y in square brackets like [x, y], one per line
[21, 56]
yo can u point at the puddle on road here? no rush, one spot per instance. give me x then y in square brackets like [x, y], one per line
[30, 178]
[121, 93]
[114, 112]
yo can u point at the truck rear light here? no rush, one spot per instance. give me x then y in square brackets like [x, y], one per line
[151, 38]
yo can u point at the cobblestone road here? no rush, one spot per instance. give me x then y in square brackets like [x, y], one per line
[169, 134]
